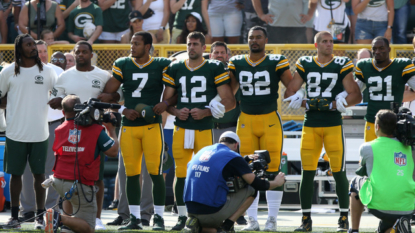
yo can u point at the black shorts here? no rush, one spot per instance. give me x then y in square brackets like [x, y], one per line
[356, 184]
[386, 220]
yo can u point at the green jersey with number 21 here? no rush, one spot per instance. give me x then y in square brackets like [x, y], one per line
[385, 85]
[142, 83]
[323, 81]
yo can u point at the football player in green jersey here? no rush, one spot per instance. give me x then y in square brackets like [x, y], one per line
[259, 127]
[196, 81]
[385, 78]
[141, 76]
[326, 77]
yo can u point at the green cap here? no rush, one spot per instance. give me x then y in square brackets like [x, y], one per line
[146, 112]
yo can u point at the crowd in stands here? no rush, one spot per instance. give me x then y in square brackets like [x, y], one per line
[170, 21]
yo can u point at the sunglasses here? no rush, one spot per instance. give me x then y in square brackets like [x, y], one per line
[55, 59]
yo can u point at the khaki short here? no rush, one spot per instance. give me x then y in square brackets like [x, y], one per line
[233, 202]
[87, 210]
[166, 36]
[174, 34]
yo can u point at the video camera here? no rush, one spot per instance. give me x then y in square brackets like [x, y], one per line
[260, 165]
[405, 125]
[93, 112]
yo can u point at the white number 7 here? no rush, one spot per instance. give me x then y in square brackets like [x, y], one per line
[136, 76]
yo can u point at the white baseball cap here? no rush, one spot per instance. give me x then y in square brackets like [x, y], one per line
[230, 134]
[197, 16]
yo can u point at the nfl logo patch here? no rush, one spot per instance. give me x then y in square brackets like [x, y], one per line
[206, 156]
[72, 136]
[400, 159]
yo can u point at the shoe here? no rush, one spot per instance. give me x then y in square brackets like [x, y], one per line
[65, 229]
[271, 224]
[181, 223]
[52, 221]
[117, 221]
[174, 210]
[113, 205]
[27, 217]
[126, 221]
[412, 222]
[343, 224]
[192, 226]
[39, 224]
[12, 224]
[241, 221]
[145, 222]
[221, 230]
[404, 225]
[252, 225]
[99, 225]
[306, 224]
[134, 224]
[158, 223]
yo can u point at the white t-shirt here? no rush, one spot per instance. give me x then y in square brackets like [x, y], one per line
[88, 84]
[375, 11]
[323, 15]
[55, 114]
[154, 22]
[27, 98]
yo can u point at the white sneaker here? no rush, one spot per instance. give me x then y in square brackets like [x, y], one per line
[271, 224]
[252, 225]
[39, 224]
[99, 225]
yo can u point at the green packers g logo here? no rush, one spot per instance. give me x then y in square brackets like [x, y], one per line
[334, 4]
[96, 83]
[376, 3]
[38, 79]
[82, 19]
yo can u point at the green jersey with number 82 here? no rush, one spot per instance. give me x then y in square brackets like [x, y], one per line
[142, 83]
[196, 87]
[258, 81]
[323, 81]
[385, 85]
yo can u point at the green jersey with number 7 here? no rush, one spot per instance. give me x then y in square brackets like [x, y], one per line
[142, 84]
[323, 81]
[385, 85]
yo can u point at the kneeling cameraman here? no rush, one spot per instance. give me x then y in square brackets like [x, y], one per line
[76, 168]
[206, 194]
[387, 187]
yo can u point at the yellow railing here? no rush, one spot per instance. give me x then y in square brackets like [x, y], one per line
[106, 54]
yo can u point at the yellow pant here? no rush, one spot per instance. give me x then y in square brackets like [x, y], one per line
[312, 141]
[136, 140]
[261, 132]
[370, 132]
[183, 156]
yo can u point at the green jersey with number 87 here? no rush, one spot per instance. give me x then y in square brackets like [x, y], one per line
[385, 85]
[258, 81]
[142, 83]
[195, 87]
[323, 81]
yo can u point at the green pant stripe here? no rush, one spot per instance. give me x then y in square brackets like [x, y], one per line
[282, 139]
[160, 170]
[343, 167]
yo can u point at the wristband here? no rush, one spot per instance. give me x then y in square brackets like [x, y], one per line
[121, 109]
[166, 103]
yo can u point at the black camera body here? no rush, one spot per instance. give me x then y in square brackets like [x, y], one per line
[260, 165]
[405, 125]
[92, 112]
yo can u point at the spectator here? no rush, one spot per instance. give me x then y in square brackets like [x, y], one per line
[329, 15]
[283, 19]
[86, 12]
[388, 167]
[251, 18]
[53, 16]
[49, 38]
[58, 59]
[374, 18]
[67, 6]
[157, 23]
[115, 20]
[70, 60]
[3, 23]
[227, 18]
[352, 18]
[136, 25]
[193, 23]
[182, 8]
[409, 96]
[402, 13]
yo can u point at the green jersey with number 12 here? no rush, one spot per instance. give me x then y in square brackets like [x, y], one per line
[258, 81]
[385, 85]
[142, 83]
[323, 81]
[196, 87]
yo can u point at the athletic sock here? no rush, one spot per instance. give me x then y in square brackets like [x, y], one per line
[135, 210]
[355, 230]
[252, 211]
[178, 191]
[181, 209]
[227, 224]
[159, 209]
[274, 199]
[342, 191]
[15, 212]
[133, 190]
[159, 190]
[39, 213]
[307, 190]
[307, 214]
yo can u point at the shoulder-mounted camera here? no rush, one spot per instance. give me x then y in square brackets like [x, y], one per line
[92, 112]
[405, 125]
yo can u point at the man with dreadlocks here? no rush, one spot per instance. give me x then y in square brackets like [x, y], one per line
[27, 84]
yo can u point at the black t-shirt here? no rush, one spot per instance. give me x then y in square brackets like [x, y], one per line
[235, 167]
